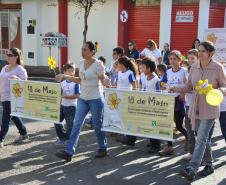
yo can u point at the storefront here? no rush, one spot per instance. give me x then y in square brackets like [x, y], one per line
[177, 22]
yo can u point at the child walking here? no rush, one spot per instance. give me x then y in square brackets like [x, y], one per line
[70, 94]
[127, 74]
[176, 77]
[192, 56]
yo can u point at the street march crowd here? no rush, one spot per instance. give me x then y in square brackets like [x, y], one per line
[150, 70]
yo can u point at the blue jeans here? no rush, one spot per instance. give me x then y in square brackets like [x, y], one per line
[202, 149]
[223, 124]
[83, 107]
[67, 113]
[6, 120]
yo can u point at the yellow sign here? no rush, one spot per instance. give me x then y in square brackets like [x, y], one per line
[35, 100]
[139, 113]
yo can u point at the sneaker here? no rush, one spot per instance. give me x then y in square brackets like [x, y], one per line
[189, 174]
[21, 139]
[126, 142]
[59, 142]
[167, 150]
[101, 153]
[1, 144]
[154, 149]
[187, 157]
[207, 171]
[64, 155]
[175, 131]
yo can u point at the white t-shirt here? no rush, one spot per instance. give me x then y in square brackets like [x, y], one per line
[176, 79]
[148, 53]
[91, 87]
[125, 80]
[142, 81]
[188, 98]
[153, 84]
[69, 88]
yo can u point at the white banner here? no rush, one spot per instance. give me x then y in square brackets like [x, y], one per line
[139, 113]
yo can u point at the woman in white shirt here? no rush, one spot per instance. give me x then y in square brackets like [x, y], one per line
[91, 77]
[152, 51]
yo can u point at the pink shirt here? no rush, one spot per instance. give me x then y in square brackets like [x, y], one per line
[18, 71]
[199, 109]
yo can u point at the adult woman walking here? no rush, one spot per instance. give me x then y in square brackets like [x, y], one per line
[202, 114]
[91, 75]
[13, 70]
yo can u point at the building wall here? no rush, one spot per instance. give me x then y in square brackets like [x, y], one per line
[103, 28]
[46, 20]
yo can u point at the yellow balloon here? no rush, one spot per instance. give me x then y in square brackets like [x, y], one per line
[214, 97]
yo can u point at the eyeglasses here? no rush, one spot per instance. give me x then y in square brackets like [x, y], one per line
[10, 55]
[130, 44]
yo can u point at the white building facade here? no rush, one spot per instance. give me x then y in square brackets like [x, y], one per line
[24, 23]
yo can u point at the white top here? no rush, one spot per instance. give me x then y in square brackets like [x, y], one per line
[148, 53]
[18, 71]
[188, 98]
[153, 84]
[142, 81]
[125, 80]
[176, 79]
[91, 87]
[69, 88]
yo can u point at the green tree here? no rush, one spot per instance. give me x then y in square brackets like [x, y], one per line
[86, 6]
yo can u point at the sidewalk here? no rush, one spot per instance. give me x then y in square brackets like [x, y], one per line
[35, 162]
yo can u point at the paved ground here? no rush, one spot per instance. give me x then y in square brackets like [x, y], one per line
[35, 162]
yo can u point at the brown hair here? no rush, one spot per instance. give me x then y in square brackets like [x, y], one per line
[151, 43]
[209, 47]
[17, 53]
[176, 53]
[193, 52]
[68, 66]
[129, 64]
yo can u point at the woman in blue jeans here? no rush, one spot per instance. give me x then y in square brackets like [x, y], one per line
[91, 77]
[13, 70]
[202, 115]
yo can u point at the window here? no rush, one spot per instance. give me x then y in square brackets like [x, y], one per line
[185, 1]
[10, 31]
[146, 2]
[218, 2]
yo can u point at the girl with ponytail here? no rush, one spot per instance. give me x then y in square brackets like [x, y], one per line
[128, 71]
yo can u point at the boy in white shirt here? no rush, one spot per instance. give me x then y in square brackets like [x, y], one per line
[70, 93]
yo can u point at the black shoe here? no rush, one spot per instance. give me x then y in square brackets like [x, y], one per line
[64, 155]
[207, 171]
[101, 153]
[127, 142]
[189, 174]
[154, 149]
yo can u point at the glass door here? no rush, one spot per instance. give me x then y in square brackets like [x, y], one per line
[10, 31]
